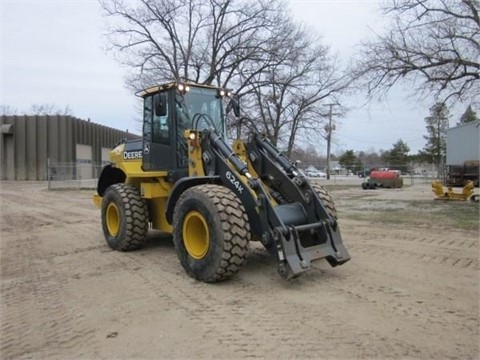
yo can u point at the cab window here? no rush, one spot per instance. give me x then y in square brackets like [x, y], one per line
[155, 119]
[147, 119]
[161, 134]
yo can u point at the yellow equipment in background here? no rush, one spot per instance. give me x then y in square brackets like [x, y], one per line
[467, 192]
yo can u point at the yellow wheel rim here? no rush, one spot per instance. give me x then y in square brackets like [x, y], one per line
[113, 219]
[196, 236]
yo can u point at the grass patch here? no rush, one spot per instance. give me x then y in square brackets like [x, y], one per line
[434, 214]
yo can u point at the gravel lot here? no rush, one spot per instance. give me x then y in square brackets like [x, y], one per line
[411, 289]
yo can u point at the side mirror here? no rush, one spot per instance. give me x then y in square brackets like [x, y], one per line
[235, 106]
[160, 105]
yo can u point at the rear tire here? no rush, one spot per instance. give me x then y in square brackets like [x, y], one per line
[124, 217]
[211, 232]
[326, 199]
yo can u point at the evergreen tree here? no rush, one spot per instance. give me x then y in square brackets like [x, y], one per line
[437, 125]
[398, 156]
[468, 116]
[350, 161]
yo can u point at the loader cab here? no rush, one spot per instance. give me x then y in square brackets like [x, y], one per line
[168, 111]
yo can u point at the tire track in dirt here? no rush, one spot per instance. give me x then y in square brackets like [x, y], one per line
[252, 326]
[370, 294]
[36, 318]
[437, 249]
[238, 333]
[401, 250]
[397, 308]
[400, 301]
[448, 260]
[361, 286]
[57, 328]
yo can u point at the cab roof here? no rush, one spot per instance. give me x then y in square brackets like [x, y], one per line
[166, 86]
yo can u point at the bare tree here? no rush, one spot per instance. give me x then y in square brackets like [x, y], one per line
[277, 68]
[37, 109]
[7, 110]
[434, 43]
[291, 104]
[197, 40]
[286, 96]
[49, 109]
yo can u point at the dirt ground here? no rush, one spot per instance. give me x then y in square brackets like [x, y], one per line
[411, 289]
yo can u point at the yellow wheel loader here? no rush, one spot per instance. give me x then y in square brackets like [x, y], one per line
[183, 178]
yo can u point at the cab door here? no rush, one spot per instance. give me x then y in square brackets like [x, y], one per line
[157, 133]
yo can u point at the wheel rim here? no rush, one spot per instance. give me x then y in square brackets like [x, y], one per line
[196, 236]
[113, 219]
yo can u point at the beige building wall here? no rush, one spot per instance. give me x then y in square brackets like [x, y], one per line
[28, 143]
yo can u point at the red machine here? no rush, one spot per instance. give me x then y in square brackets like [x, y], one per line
[383, 178]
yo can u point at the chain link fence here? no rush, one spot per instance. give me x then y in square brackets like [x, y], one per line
[84, 175]
[80, 175]
[421, 174]
[408, 179]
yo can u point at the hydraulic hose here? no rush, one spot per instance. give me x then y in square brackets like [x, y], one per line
[276, 155]
[221, 146]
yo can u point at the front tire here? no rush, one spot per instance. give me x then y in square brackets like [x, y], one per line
[211, 232]
[124, 217]
[326, 200]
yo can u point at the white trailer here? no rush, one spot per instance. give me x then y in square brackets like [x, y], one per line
[463, 154]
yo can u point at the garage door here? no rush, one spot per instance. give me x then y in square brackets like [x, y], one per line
[105, 155]
[84, 161]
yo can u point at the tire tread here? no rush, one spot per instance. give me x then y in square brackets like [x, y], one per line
[136, 217]
[235, 227]
[326, 199]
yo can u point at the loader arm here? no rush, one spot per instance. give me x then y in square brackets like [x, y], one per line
[318, 234]
[284, 211]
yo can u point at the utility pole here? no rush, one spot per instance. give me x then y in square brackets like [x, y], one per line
[329, 129]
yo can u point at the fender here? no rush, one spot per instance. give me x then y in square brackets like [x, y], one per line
[184, 184]
[110, 175]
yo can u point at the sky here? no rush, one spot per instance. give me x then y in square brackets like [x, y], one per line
[55, 52]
